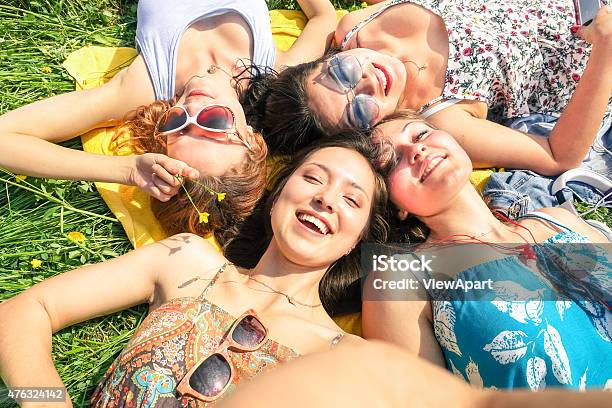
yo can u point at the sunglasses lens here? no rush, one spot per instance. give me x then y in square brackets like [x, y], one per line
[216, 117]
[249, 333]
[365, 110]
[211, 377]
[173, 119]
[346, 70]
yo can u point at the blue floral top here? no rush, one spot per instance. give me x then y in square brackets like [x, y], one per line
[533, 341]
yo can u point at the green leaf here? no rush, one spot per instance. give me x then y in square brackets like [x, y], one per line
[104, 40]
[50, 213]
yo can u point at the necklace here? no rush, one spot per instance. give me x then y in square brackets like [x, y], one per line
[418, 67]
[462, 237]
[212, 281]
[290, 299]
[214, 67]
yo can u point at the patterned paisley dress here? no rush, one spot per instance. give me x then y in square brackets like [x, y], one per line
[169, 342]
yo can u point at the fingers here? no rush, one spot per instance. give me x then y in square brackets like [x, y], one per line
[582, 32]
[157, 175]
[174, 167]
[161, 190]
[162, 174]
[599, 29]
[191, 173]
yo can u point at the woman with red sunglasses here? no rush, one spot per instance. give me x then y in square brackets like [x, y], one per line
[191, 55]
[211, 323]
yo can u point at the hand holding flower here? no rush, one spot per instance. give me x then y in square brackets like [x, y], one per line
[156, 174]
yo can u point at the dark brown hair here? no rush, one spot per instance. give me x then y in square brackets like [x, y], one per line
[243, 186]
[276, 104]
[339, 288]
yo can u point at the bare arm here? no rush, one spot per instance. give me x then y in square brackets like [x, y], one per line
[404, 323]
[492, 145]
[316, 36]
[372, 374]
[575, 223]
[28, 134]
[380, 375]
[28, 320]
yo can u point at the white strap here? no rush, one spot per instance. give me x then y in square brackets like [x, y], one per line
[547, 217]
[437, 108]
[365, 21]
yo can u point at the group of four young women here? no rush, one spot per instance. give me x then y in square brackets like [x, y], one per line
[190, 98]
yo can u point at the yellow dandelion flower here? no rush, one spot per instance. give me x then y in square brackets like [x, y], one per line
[76, 236]
[20, 177]
[46, 70]
[203, 217]
[364, 4]
[36, 263]
[220, 196]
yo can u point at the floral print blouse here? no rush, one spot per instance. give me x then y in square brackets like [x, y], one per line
[525, 335]
[518, 56]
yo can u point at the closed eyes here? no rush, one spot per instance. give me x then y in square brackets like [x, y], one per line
[421, 135]
[312, 179]
[352, 201]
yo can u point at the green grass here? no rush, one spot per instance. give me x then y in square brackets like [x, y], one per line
[36, 215]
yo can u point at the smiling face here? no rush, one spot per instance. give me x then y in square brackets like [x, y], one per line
[324, 207]
[211, 153]
[431, 168]
[377, 75]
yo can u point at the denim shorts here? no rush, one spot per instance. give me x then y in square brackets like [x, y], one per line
[517, 192]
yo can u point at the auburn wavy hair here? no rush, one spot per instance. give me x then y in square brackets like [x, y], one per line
[243, 186]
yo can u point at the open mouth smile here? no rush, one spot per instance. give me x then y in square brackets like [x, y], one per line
[384, 78]
[431, 164]
[314, 223]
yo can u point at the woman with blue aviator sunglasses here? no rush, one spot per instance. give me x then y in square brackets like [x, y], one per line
[458, 65]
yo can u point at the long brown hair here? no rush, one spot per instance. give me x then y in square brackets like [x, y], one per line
[411, 230]
[277, 104]
[339, 289]
[243, 186]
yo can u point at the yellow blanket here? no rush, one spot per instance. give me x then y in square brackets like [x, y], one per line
[92, 66]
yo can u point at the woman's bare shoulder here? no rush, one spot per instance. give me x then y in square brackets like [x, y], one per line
[187, 249]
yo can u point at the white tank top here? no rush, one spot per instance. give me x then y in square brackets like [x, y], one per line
[161, 24]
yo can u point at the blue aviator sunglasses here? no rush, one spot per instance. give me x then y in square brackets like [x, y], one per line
[347, 72]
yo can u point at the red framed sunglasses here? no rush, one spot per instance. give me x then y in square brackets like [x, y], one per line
[210, 377]
[217, 119]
